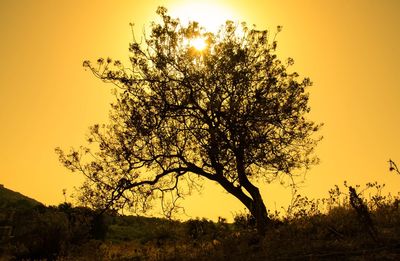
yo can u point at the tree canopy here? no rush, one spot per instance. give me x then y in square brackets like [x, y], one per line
[231, 113]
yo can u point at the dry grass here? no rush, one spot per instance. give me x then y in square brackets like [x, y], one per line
[324, 229]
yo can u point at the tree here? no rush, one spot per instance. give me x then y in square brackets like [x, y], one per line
[230, 113]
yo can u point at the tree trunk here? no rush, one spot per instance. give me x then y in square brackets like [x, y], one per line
[256, 205]
[259, 212]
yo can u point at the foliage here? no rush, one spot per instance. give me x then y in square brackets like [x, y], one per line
[335, 232]
[231, 113]
[197, 229]
[244, 220]
[40, 232]
[332, 233]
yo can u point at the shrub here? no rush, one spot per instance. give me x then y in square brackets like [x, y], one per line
[40, 234]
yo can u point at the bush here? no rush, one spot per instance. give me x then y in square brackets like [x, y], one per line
[200, 229]
[40, 234]
[244, 221]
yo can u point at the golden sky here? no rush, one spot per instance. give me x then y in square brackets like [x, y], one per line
[349, 48]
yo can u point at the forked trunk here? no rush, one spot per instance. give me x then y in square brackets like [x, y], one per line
[255, 204]
[259, 212]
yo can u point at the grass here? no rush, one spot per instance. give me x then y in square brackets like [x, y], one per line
[323, 229]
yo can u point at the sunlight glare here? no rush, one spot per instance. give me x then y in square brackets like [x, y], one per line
[198, 43]
[209, 15]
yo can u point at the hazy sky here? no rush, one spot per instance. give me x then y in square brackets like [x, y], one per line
[350, 49]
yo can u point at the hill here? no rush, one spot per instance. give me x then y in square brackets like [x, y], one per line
[345, 226]
[11, 199]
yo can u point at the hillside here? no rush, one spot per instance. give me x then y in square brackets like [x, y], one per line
[334, 228]
[12, 199]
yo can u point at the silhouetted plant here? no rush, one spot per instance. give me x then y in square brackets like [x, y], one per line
[200, 228]
[363, 214]
[231, 113]
[336, 233]
[244, 221]
[99, 226]
[40, 233]
[301, 206]
[393, 166]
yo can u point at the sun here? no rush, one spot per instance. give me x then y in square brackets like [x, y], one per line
[209, 15]
[198, 43]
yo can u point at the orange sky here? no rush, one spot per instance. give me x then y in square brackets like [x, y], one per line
[350, 49]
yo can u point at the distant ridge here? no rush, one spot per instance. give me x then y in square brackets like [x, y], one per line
[11, 199]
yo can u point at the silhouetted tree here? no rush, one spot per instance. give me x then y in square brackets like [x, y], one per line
[230, 113]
